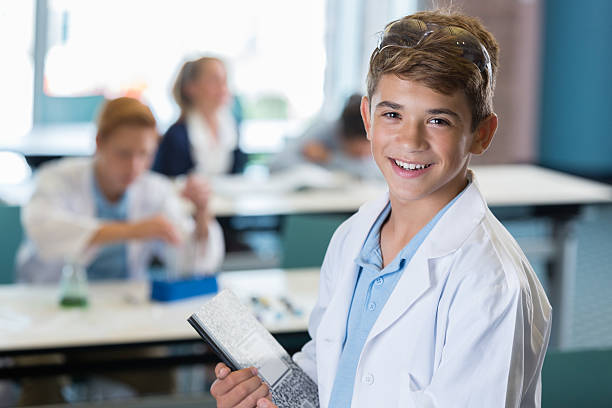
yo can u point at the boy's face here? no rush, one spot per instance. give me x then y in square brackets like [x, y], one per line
[126, 153]
[422, 140]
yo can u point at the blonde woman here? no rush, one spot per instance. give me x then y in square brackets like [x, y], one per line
[204, 137]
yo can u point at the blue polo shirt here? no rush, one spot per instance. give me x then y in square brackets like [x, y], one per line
[111, 261]
[374, 286]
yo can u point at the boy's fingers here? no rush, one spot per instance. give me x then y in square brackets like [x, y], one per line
[265, 403]
[240, 394]
[221, 371]
[251, 400]
[218, 367]
[234, 379]
[172, 237]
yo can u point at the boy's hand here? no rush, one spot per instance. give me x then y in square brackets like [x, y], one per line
[197, 191]
[240, 389]
[316, 152]
[156, 227]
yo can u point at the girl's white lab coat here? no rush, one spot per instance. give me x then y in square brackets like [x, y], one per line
[466, 326]
[60, 220]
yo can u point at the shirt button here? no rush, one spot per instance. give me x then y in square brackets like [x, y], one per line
[379, 281]
[371, 306]
[368, 379]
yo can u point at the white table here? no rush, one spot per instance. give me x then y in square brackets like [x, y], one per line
[121, 315]
[502, 186]
[53, 140]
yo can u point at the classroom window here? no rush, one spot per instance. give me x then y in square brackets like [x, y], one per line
[17, 68]
[275, 52]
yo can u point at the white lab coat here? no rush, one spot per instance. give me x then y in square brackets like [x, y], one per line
[466, 326]
[212, 157]
[60, 220]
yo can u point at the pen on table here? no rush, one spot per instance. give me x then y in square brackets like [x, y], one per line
[260, 302]
[290, 306]
[259, 308]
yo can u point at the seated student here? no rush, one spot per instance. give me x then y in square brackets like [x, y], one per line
[425, 300]
[339, 145]
[111, 215]
[204, 139]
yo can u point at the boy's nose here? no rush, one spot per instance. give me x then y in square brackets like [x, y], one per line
[136, 165]
[412, 136]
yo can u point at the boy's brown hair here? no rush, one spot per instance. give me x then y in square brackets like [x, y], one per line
[121, 112]
[435, 57]
[351, 124]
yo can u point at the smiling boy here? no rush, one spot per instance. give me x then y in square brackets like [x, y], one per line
[425, 300]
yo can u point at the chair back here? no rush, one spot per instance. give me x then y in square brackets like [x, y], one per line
[11, 234]
[305, 238]
[577, 379]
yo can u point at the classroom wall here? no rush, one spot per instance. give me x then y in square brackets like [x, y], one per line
[575, 133]
[515, 24]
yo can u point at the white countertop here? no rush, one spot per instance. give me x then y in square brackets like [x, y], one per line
[502, 185]
[121, 312]
[317, 191]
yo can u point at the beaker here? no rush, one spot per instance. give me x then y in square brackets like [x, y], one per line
[73, 286]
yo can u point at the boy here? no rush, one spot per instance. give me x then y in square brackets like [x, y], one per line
[110, 214]
[425, 299]
[338, 145]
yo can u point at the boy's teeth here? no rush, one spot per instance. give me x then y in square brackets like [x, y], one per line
[410, 166]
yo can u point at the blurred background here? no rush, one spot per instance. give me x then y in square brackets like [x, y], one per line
[292, 63]
[289, 61]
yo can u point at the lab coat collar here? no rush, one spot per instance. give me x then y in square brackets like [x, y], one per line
[451, 231]
[459, 221]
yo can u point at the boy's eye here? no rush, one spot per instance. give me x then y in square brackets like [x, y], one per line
[123, 154]
[439, 121]
[393, 115]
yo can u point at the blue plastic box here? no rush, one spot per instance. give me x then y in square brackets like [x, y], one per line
[167, 290]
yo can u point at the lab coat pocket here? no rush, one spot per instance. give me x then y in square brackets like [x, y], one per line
[411, 394]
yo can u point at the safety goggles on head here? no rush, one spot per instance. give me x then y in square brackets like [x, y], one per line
[410, 33]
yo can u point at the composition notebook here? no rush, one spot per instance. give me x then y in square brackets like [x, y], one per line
[241, 341]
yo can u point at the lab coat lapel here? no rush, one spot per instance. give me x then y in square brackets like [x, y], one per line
[332, 330]
[84, 200]
[415, 281]
[448, 234]
[137, 209]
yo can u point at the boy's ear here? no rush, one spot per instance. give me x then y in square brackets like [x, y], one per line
[98, 141]
[365, 115]
[483, 135]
